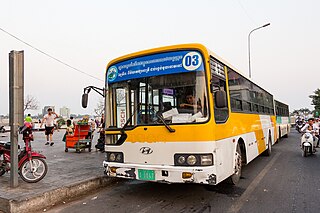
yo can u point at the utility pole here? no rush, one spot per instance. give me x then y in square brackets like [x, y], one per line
[16, 116]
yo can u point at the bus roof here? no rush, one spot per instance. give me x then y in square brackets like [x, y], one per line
[198, 46]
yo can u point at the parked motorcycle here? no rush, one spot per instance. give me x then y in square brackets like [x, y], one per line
[32, 166]
[307, 144]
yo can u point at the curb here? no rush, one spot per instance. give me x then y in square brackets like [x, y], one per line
[55, 196]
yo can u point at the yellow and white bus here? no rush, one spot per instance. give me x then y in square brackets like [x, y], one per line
[283, 119]
[154, 133]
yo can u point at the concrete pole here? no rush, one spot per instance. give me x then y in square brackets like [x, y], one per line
[16, 108]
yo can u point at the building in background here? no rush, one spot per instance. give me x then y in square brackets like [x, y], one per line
[65, 112]
[45, 109]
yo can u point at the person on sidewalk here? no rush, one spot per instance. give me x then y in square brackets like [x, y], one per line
[49, 125]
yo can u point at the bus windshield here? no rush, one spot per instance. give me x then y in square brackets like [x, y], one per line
[179, 98]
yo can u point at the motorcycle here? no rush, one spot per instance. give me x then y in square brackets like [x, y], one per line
[307, 144]
[299, 125]
[31, 165]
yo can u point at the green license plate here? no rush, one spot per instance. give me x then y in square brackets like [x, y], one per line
[146, 174]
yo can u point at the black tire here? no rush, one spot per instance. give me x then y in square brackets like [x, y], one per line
[299, 130]
[66, 150]
[286, 135]
[2, 171]
[304, 151]
[279, 135]
[311, 150]
[268, 151]
[37, 179]
[235, 178]
[2, 168]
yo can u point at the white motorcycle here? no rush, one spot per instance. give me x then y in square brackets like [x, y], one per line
[307, 141]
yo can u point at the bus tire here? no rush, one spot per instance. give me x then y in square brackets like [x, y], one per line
[234, 179]
[267, 152]
[286, 135]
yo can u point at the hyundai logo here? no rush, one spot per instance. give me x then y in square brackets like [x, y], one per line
[146, 150]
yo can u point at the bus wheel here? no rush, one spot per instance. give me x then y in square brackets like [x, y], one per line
[267, 152]
[234, 179]
[286, 135]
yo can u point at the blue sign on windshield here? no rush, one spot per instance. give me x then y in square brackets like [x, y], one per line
[154, 65]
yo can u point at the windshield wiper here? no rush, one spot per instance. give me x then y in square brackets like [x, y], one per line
[171, 130]
[129, 120]
[122, 130]
[158, 114]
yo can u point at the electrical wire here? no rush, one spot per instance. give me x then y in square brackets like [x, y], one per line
[50, 56]
[245, 11]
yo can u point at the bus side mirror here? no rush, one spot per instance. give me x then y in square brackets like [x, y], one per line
[84, 100]
[220, 99]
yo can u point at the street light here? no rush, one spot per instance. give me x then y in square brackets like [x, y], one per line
[249, 45]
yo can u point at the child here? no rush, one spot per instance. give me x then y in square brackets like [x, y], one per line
[69, 130]
[310, 129]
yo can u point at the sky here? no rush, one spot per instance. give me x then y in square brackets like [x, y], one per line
[88, 34]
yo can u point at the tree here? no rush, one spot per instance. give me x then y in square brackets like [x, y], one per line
[99, 110]
[31, 103]
[120, 99]
[316, 101]
[302, 111]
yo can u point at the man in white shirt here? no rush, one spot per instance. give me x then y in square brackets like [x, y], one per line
[49, 125]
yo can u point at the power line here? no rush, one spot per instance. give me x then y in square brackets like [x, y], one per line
[48, 55]
[245, 11]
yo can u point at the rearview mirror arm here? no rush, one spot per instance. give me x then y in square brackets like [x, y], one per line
[96, 89]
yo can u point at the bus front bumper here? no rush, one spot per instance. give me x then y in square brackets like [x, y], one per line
[164, 174]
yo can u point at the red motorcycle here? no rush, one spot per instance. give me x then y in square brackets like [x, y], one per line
[32, 166]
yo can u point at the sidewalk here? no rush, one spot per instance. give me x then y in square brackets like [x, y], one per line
[70, 174]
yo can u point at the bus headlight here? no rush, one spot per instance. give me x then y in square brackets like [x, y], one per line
[115, 157]
[191, 160]
[119, 158]
[206, 160]
[112, 157]
[181, 160]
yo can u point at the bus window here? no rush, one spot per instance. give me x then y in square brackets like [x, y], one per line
[220, 114]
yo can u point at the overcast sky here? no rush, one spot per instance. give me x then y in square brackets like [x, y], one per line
[88, 34]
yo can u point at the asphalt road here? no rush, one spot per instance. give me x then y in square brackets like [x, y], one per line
[283, 182]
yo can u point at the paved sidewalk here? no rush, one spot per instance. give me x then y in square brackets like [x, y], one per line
[69, 174]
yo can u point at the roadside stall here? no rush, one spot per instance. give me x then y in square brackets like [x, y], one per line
[81, 139]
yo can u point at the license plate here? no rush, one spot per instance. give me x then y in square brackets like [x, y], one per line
[146, 174]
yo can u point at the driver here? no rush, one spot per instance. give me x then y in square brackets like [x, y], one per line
[190, 103]
[311, 127]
